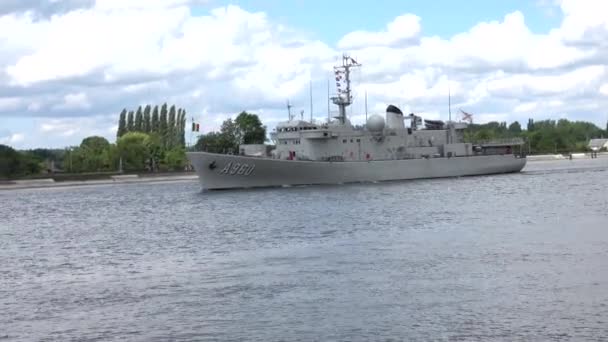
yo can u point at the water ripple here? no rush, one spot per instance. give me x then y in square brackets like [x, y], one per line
[512, 257]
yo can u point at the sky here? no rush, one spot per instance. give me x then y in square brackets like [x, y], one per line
[68, 67]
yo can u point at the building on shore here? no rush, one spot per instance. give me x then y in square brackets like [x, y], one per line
[598, 144]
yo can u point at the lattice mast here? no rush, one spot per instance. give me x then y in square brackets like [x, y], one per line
[344, 96]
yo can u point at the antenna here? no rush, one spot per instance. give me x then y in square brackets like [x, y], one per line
[366, 106]
[289, 117]
[311, 101]
[449, 103]
[344, 97]
[328, 101]
[450, 138]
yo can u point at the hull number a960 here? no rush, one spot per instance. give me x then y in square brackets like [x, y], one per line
[237, 169]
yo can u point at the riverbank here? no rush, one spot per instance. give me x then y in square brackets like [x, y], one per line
[545, 157]
[114, 179]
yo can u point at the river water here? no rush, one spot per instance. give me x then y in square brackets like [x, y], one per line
[508, 257]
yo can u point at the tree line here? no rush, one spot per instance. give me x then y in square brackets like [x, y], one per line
[15, 163]
[545, 136]
[148, 139]
[245, 129]
[168, 124]
[133, 152]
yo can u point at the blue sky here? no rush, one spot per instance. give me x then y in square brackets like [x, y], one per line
[330, 20]
[68, 67]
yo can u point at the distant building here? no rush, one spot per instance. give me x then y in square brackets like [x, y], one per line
[598, 144]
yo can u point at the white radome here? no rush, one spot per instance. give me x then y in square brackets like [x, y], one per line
[375, 123]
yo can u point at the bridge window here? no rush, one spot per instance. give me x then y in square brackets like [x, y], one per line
[344, 141]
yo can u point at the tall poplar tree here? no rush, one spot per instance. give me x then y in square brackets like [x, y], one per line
[130, 123]
[154, 123]
[171, 128]
[162, 126]
[122, 124]
[178, 130]
[147, 124]
[183, 134]
[139, 120]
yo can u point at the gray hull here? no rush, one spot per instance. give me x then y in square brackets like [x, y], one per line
[219, 171]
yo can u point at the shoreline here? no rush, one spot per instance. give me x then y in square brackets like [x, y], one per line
[44, 183]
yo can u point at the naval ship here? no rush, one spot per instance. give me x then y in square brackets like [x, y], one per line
[336, 152]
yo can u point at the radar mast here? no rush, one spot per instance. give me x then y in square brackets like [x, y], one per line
[344, 97]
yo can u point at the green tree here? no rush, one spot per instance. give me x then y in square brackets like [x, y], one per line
[546, 136]
[14, 164]
[155, 151]
[29, 164]
[213, 142]
[130, 122]
[175, 159]
[163, 128]
[122, 123]
[147, 126]
[171, 128]
[230, 136]
[178, 128]
[155, 122]
[515, 128]
[92, 155]
[249, 129]
[9, 162]
[139, 120]
[182, 134]
[224, 141]
[530, 127]
[133, 148]
[245, 129]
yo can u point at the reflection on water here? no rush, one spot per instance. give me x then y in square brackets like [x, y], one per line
[510, 257]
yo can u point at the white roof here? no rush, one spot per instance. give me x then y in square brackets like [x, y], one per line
[598, 143]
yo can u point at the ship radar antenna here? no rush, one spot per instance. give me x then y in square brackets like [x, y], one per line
[449, 103]
[344, 96]
[310, 89]
[289, 116]
[366, 106]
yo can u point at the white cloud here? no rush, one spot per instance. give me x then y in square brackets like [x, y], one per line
[77, 128]
[526, 107]
[500, 68]
[9, 103]
[582, 17]
[89, 59]
[59, 127]
[34, 106]
[74, 101]
[12, 139]
[404, 30]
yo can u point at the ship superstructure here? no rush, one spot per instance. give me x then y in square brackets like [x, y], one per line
[385, 148]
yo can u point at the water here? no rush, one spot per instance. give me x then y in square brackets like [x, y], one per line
[510, 257]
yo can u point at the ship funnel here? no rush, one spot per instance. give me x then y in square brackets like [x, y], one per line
[394, 118]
